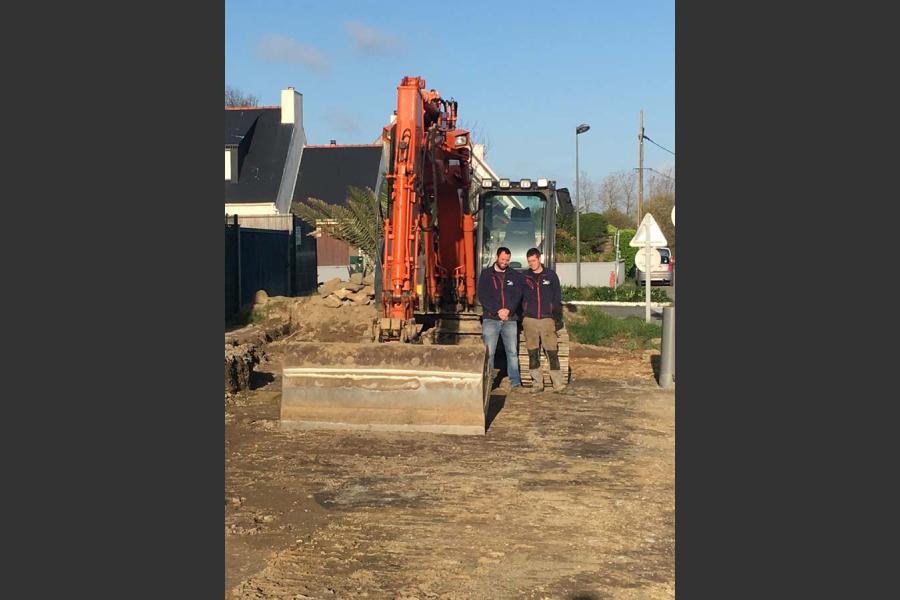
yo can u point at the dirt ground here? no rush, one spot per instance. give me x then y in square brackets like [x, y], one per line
[569, 495]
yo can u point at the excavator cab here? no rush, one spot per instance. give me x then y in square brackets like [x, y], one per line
[518, 215]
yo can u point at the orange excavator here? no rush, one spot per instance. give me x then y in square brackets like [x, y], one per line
[426, 367]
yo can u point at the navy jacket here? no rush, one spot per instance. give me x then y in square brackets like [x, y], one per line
[499, 289]
[541, 295]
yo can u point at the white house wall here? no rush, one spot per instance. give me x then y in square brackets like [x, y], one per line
[262, 208]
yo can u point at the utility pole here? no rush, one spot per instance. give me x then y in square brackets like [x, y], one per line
[577, 220]
[641, 173]
[578, 131]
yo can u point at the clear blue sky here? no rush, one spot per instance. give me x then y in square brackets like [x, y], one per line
[525, 72]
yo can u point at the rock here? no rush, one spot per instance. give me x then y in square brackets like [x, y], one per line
[343, 293]
[330, 286]
[356, 278]
[354, 287]
[369, 279]
[261, 297]
[368, 290]
[359, 298]
[333, 301]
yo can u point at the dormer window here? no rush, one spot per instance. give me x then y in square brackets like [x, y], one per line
[231, 164]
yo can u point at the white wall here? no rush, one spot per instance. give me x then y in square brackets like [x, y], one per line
[261, 208]
[325, 273]
[592, 273]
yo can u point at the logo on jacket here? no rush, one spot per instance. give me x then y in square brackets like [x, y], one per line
[509, 282]
[545, 282]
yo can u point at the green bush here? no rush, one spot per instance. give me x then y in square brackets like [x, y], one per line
[626, 251]
[620, 294]
[600, 329]
[594, 234]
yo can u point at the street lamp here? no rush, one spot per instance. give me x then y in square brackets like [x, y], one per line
[578, 130]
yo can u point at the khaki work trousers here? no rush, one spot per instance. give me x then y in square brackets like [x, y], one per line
[540, 331]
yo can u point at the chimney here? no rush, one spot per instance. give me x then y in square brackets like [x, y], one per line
[291, 106]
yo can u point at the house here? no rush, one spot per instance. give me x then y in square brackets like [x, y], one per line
[325, 173]
[272, 250]
[263, 147]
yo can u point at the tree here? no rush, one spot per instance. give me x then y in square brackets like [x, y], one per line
[627, 185]
[617, 218]
[358, 224]
[618, 191]
[660, 206]
[593, 233]
[661, 183]
[235, 97]
[661, 188]
[587, 192]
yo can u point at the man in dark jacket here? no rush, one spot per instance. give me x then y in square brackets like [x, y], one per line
[500, 291]
[542, 318]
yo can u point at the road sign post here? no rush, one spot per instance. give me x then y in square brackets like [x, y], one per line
[648, 236]
[648, 282]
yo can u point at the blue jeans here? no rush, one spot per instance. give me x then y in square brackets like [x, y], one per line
[491, 329]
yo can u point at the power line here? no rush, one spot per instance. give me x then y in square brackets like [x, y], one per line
[658, 146]
[662, 174]
[657, 172]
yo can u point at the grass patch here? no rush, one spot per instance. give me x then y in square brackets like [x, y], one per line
[252, 315]
[593, 326]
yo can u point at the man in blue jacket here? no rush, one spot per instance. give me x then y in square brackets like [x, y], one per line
[500, 291]
[542, 318]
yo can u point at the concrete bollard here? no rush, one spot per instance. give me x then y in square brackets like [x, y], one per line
[667, 358]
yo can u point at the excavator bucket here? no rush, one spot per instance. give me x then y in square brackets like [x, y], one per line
[386, 387]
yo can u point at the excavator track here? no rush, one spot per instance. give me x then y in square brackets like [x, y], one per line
[563, 345]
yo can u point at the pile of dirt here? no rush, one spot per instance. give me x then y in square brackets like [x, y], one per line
[283, 320]
[239, 363]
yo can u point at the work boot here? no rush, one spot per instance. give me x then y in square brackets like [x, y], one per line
[537, 381]
[534, 367]
[556, 376]
[559, 382]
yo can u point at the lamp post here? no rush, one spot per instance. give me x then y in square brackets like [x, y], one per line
[578, 130]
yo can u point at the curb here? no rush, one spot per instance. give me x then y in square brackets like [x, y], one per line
[611, 303]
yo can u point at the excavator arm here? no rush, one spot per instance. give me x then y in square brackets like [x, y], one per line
[429, 182]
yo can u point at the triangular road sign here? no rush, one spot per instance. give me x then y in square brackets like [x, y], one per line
[648, 225]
